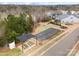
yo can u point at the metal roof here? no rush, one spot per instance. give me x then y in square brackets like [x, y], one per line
[25, 37]
[46, 34]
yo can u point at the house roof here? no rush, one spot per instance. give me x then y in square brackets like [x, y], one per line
[61, 17]
[76, 15]
[25, 37]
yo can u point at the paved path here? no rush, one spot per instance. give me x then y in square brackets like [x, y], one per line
[64, 46]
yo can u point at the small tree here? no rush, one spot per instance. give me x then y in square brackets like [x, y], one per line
[29, 24]
[10, 28]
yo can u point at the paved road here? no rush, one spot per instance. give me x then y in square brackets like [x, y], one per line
[64, 46]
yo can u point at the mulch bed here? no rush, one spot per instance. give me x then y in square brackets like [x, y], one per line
[4, 49]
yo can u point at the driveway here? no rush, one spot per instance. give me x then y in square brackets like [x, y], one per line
[64, 46]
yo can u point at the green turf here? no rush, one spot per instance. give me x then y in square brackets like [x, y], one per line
[13, 52]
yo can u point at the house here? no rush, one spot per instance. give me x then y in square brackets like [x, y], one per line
[67, 18]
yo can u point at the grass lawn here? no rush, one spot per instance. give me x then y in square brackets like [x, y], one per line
[13, 52]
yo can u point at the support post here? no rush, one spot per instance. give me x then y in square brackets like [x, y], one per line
[36, 41]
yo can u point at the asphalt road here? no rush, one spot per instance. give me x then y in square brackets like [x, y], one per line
[64, 46]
